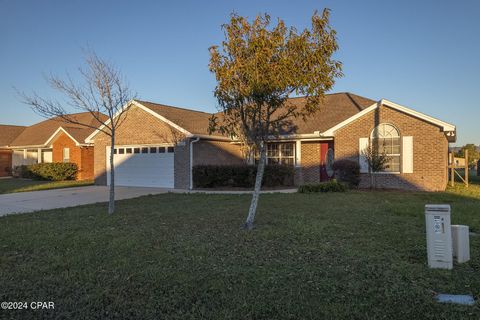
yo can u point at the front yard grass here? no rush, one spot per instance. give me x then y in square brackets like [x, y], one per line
[354, 255]
[13, 185]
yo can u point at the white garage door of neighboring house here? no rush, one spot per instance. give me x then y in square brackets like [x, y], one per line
[142, 166]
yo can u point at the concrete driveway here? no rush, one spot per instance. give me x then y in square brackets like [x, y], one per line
[62, 198]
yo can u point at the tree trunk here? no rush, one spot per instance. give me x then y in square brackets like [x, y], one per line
[256, 192]
[371, 178]
[111, 201]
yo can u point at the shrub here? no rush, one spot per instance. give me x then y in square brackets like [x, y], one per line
[330, 186]
[241, 176]
[22, 172]
[55, 171]
[347, 171]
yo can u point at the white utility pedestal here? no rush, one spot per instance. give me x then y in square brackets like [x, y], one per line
[461, 243]
[439, 236]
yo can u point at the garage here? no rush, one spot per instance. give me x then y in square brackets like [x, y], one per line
[142, 166]
[5, 162]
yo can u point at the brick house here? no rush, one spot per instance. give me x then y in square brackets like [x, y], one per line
[56, 140]
[8, 133]
[157, 145]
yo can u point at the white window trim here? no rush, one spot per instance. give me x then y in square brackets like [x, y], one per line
[63, 155]
[393, 154]
[280, 157]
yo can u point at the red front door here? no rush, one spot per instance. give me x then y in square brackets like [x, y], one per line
[326, 160]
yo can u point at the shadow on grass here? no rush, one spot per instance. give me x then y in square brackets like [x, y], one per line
[182, 256]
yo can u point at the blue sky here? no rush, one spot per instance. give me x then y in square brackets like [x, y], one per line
[422, 54]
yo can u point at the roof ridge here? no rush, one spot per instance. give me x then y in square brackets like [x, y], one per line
[169, 106]
[12, 125]
[336, 93]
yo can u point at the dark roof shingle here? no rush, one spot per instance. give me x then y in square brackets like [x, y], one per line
[195, 122]
[8, 133]
[335, 108]
[38, 134]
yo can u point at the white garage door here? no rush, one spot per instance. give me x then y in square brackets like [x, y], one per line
[142, 166]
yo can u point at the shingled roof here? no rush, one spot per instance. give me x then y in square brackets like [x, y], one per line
[8, 133]
[195, 122]
[334, 109]
[39, 133]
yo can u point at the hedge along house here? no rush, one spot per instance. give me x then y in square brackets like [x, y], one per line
[158, 145]
[56, 140]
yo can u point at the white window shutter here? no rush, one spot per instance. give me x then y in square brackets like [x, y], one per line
[362, 160]
[407, 154]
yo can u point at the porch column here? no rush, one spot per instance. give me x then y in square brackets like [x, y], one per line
[39, 155]
[25, 155]
[298, 176]
[298, 153]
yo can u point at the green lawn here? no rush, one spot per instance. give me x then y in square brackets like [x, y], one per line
[359, 255]
[22, 185]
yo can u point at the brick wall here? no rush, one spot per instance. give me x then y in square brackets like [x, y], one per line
[209, 152]
[181, 166]
[82, 156]
[310, 161]
[142, 128]
[87, 163]
[430, 149]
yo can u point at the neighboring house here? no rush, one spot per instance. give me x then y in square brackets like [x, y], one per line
[56, 140]
[157, 145]
[8, 133]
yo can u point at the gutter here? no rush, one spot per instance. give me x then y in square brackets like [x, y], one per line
[210, 137]
[303, 136]
[191, 160]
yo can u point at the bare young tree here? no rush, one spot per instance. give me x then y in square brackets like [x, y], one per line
[101, 90]
[377, 162]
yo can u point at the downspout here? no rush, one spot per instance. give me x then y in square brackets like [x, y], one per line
[191, 160]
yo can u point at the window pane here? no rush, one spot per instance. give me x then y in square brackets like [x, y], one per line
[128, 150]
[396, 145]
[114, 151]
[153, 150]
[170, 149]
[393, 164]
[287, 161]
[136, 150]
[272, 150]
[161, 149]
[121, 151]
[273, 160]
[287, 150]
[144, 150]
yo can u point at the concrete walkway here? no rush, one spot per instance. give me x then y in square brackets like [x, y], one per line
[69, 197]
[22, 202]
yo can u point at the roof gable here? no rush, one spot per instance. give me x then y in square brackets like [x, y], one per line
[446, 127]
[40, 133]
[195, 122]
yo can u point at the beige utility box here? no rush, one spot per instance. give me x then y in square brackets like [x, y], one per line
[461, 243]
[439, 236]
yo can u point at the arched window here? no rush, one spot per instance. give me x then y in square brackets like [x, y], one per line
[386, 139]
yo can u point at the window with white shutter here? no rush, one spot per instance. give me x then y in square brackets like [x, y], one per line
[386, 139]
